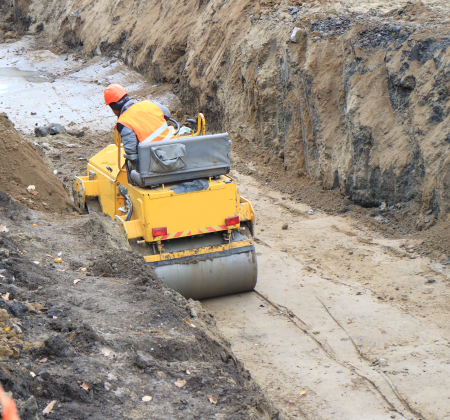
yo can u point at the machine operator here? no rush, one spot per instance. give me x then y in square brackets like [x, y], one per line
[137, 122]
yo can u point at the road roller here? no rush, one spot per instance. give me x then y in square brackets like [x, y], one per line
[179, 207]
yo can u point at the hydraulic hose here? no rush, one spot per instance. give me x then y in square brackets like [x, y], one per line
[130, 208]
[176, 123]
[124, 193]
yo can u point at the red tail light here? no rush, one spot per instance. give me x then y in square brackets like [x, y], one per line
[231, 221]
[161, 231]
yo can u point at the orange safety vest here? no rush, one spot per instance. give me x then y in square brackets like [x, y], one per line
[147, 121]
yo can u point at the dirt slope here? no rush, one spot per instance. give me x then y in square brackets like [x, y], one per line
[22, 166]
[359, 103]
[118, 330]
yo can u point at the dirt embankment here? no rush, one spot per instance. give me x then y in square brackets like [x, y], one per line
[21, 166]
[358, 102]
[98, 332]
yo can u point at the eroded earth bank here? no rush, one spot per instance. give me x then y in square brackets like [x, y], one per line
[340, 134]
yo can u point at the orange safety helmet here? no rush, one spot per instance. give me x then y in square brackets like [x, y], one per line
[114, 93]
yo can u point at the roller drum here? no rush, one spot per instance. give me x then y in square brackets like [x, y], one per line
[213, 276]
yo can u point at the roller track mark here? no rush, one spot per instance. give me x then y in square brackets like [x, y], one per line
[343, 329]
[291, 317]
[384, 376]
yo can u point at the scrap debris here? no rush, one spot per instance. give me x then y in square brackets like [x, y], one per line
[49, 407]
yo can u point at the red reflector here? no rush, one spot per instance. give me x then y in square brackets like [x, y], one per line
[231, 221]
[159, 231]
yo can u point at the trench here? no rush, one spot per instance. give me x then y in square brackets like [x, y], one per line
[320, 335]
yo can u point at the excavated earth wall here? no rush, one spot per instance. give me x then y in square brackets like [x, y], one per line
[359, 100]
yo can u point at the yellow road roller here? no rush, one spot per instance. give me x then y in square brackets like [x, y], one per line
[180, 208]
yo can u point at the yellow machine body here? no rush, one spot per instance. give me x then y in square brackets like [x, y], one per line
[195, 223]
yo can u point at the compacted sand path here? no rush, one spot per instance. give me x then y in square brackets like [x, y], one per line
[344, 324]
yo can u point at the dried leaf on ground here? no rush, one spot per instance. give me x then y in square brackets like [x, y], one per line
[49, 407]
[85, 386]
[4, 229]
[147, 398]
[7, 329]
[212, 400]
[58, 260]
[180, 383]
[76, 281]
[82, 270]
[5, 296]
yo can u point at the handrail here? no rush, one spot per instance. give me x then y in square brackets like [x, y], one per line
[201, 125]
[118, 143]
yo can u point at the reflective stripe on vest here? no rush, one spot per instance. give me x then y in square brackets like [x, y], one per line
[153, 136]
[147, 121]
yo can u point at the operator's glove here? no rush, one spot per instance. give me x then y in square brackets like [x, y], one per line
[132, 158]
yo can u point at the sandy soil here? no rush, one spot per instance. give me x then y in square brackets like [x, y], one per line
[24, 175]
[343, 320]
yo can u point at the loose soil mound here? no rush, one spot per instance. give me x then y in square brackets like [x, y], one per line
[22, 166]
[100, 339]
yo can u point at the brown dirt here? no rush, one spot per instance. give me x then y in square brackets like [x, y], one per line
[22, 166]
[353, 116]
[359, 105]
[118, 330]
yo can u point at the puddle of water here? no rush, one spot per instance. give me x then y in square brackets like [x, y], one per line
[28, 75]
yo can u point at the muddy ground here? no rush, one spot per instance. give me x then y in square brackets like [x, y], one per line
[97, 332]
[349, 319]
